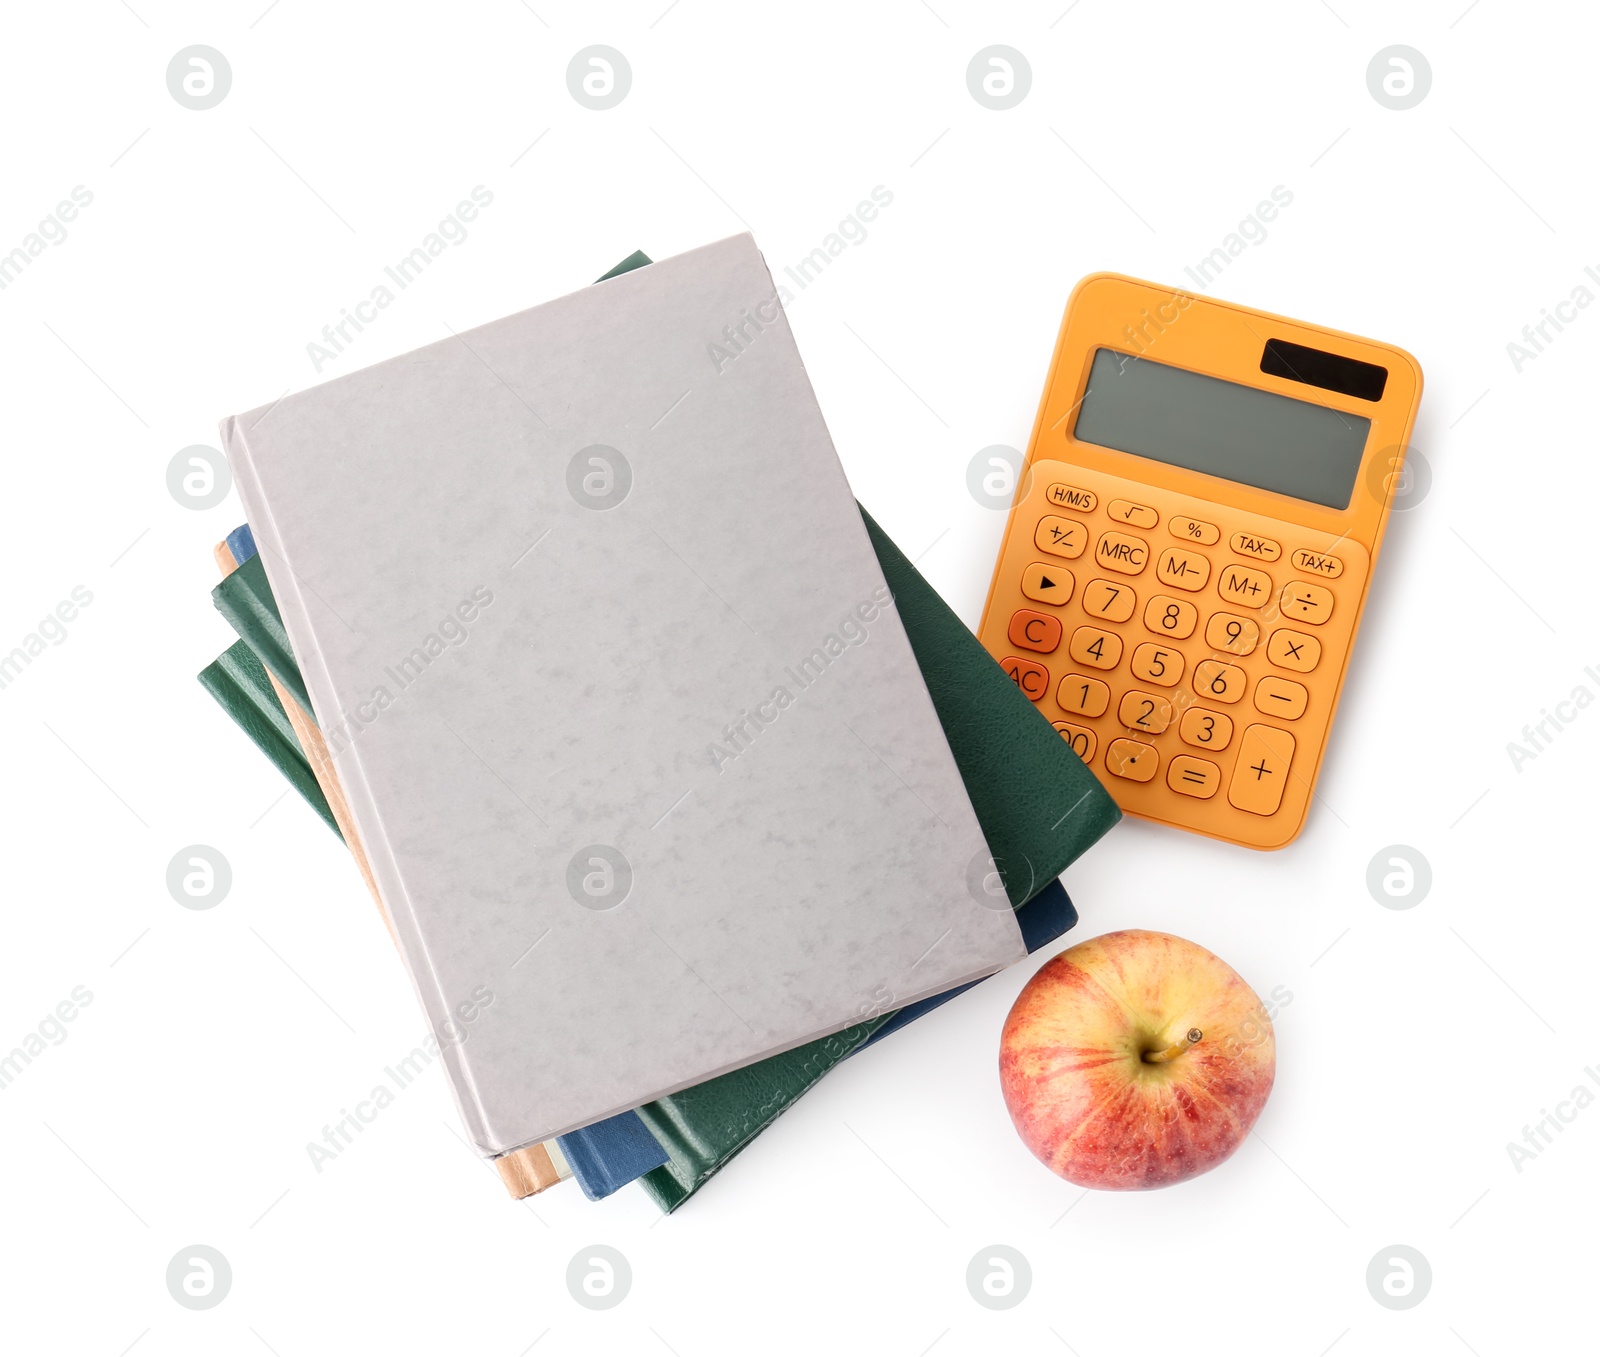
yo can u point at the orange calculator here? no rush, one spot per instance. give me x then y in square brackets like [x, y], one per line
[1190, 548]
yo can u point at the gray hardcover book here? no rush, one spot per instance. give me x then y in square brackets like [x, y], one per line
[648, 774]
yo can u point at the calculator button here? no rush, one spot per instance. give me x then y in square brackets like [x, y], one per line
[1193, 530]
[1262, 548]
[1081, 738]
[1232, 635]
[1170, 617]
[1306, 602]
[1157, 664]
[1183, 569]
[1134, 515]
[1083, 696]
[1205, 729]
[1281, 697]
[1034, 631]
[1294, 650]
[1095, 648]
[1262, 770]
[1061, 536]
[1240, 584]
[1132, 760]
[1114, 602]
[1029, 675]
[1069, 496]
[1194, 777]
[1047, 583]
[1146, 712]
[1218, 681]
[1126, 555]
[1317, 563]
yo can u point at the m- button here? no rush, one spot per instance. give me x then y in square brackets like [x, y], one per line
[1185, 569]
[1126, 555]
[1262, 771]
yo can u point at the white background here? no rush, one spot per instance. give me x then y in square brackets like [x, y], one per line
[1416, 1044]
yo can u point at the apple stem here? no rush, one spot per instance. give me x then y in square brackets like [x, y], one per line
[1176, 1049]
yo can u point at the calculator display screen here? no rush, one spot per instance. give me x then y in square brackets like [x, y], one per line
[1220, 428]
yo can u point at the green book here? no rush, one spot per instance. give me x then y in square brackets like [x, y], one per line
[240, 685]
[245, 598]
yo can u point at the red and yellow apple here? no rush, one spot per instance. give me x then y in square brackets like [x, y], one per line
[1135, 1060]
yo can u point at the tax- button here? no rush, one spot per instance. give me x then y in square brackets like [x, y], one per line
[1117, 551]
[1061, 536]
[1034, 631]
[1184, 569]
[1262, 771]
[1317, 563]
[1306, 602]
[1132, 760]
[1249, 544]
[1281, 697]
[1134, 515]
[1240, 584]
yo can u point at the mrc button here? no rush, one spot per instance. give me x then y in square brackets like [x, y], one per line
[1122, 553]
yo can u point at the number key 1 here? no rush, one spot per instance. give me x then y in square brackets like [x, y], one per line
[1083, 696]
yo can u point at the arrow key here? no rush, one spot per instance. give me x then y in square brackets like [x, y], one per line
[1047, 583]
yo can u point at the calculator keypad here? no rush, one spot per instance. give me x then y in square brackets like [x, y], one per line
[1192, 653]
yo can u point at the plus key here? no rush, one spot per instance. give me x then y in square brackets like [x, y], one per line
[1262, 772]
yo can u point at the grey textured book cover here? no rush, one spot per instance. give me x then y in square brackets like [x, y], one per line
[649, 777]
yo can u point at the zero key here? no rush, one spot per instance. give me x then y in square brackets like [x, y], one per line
[1262, 771]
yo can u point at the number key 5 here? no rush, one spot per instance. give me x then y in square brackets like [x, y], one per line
[1157, 664]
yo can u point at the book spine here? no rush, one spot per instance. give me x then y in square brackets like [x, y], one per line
[245, 599]
[240, 686]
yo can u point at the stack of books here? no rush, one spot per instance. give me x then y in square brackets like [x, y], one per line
[674, 782]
